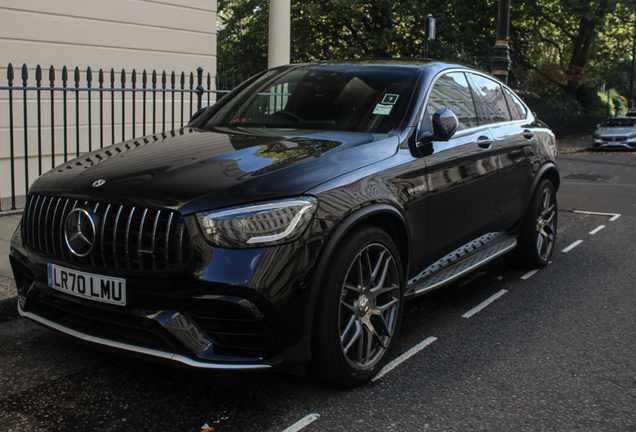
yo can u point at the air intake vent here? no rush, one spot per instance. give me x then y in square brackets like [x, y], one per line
[127, 238]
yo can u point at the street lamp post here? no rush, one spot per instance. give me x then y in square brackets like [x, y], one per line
[500, 63]
[631, 81]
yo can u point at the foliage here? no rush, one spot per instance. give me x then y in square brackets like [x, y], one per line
[331, 29]
[560, 49]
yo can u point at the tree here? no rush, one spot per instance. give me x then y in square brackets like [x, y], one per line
[332, 29]
[562, 37]
[562, 48]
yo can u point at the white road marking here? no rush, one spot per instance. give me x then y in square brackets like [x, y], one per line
[572, 246]
[529, 274]
[612, 219]
[417, 348]
[302, 423]
[597, 229]
[484, 304]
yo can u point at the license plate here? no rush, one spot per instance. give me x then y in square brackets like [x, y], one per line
[87, 285]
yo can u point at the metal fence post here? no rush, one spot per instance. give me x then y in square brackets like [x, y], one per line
[11, 139]
[200, 88]
[38, 84]
[25, 77]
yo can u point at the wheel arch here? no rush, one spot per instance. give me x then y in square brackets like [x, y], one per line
[385, 217]
[548, 171]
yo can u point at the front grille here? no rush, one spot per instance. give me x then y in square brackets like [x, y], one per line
[127, 238]
[615, 139]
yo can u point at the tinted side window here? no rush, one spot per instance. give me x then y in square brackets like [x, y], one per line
[517, 109]
[452, 91]
[492, 98]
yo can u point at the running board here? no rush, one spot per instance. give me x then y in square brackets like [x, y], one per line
[461, 268]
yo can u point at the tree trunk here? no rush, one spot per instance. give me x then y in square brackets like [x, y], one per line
[581, 44]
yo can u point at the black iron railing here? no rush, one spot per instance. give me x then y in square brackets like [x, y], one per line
[97, 108]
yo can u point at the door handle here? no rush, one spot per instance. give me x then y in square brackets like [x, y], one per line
[528, 134]
[484, 142]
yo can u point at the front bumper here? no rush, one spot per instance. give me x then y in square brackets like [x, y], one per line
[228, 309]
[614, 143]
[163, 355]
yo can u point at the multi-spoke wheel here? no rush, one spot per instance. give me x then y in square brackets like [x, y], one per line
[359, 308]
[538, 230]
[546, 224]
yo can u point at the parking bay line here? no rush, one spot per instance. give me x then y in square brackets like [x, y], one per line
[417, 348]
[612, 219]
[597, 229]
[572, 246]
[302, 423]
[482, 305]
[529, 274]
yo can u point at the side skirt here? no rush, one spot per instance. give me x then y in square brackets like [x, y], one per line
[461, 262]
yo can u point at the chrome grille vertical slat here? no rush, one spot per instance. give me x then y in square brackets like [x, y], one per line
[26, 217]
[46, 221]
[53, 219]
[62, 248]
[115, 257]
[168, 229]
[128, 226]
[35, 210]
[153, 241]
[71, 256]
[102, 237]
[95, 211]
[39, 222]
[140, 239]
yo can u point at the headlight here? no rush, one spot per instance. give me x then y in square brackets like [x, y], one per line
[258, 225]
[596, 136]
[632, 136]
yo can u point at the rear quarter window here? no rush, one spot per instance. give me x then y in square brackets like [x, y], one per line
[492, 101]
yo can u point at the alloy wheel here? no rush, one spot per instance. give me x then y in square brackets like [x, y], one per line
[369, 306]
[546, 224]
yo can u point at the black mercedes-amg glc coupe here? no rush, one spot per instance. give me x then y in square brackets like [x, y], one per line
[286, 225]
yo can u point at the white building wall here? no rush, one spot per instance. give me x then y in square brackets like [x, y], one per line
[170, 35]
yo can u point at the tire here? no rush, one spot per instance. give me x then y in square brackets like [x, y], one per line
[538, 230]
[359, 309]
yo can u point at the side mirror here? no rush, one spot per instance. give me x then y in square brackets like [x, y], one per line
[445, 124]
[197, 114]
[441, 127]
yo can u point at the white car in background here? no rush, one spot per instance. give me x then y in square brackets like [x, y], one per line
[617, 132]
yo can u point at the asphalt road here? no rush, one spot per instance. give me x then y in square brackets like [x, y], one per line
[554, 351]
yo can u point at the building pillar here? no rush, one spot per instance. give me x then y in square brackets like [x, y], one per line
[279, 33]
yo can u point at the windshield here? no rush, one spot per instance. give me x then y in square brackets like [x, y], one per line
[368, 99]
[619, 122]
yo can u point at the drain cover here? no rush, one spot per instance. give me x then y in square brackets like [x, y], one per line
[587, 177]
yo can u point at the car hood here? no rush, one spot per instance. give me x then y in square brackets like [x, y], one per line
[615, 131]
[193, 170]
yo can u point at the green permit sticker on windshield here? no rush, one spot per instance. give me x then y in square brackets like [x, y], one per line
[382, 109]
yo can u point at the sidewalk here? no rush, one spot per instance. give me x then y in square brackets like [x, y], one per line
[574, 144]
[9, 222]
